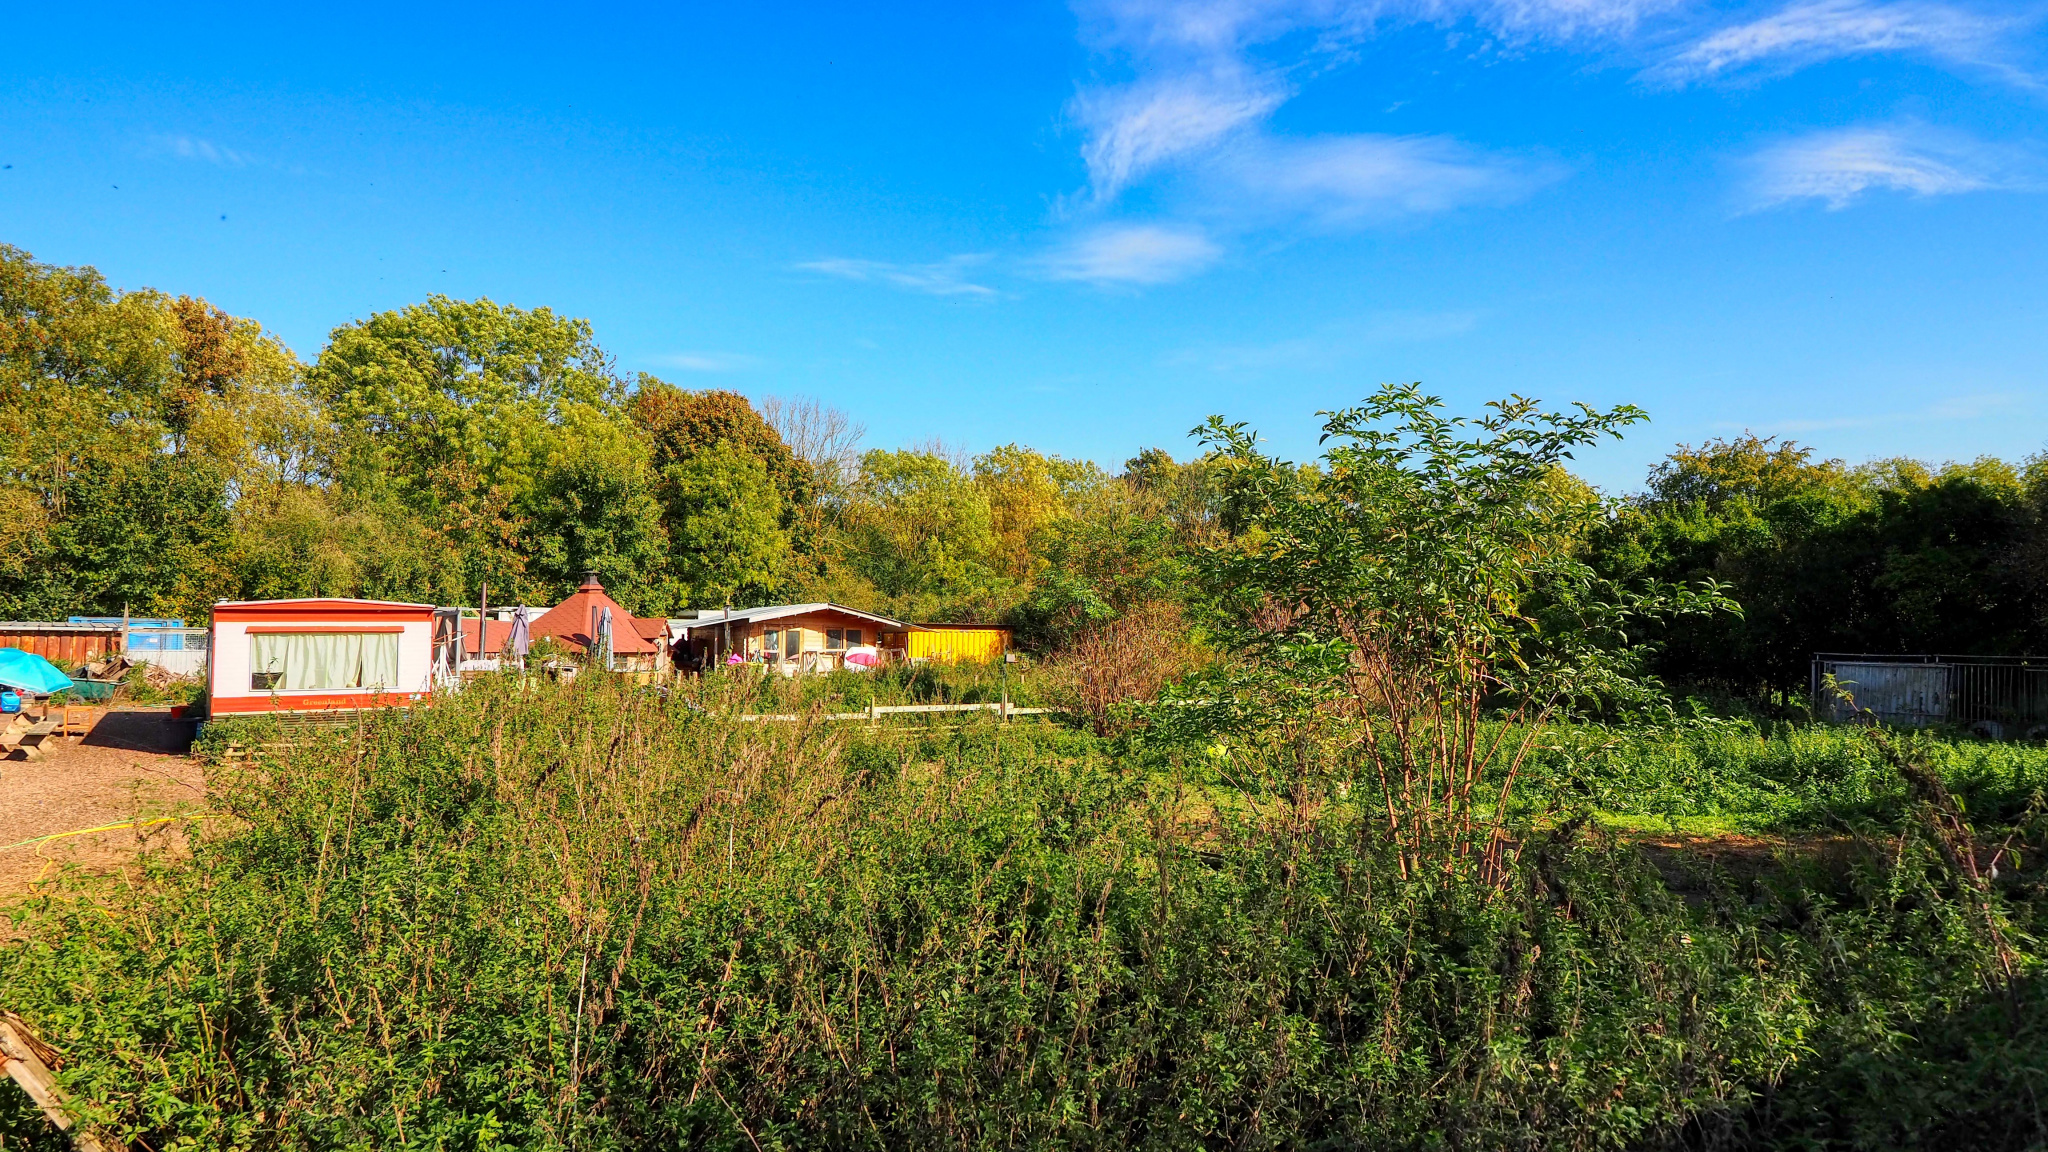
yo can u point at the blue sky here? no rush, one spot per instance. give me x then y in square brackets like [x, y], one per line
[1087, 228]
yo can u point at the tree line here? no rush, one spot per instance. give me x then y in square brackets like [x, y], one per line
[1891, 556]
[162, 455]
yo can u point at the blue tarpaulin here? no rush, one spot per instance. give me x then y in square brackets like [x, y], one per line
[28, 672]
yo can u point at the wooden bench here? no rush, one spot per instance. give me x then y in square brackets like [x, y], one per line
[33, 742]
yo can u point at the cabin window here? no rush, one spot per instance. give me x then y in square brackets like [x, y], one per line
[835, 639]
[322, 661]
[771, 643]
[793, 642]
[853, 638]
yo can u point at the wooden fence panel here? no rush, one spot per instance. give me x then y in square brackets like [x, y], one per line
[67, 648]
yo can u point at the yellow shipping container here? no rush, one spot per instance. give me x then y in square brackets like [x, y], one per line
[944, 645]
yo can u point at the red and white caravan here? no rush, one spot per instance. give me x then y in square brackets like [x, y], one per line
[316, 655]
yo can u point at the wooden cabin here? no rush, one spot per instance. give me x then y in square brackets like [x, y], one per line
[787, 638]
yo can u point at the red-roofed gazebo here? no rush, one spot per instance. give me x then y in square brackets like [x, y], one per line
[574, 622]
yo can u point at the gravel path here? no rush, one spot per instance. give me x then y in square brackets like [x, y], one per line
[129, 766]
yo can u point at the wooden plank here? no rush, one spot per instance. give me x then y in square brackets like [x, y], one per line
[28, 1062]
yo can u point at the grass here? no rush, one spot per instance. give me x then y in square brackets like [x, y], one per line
[1740, 777]
[601, 917]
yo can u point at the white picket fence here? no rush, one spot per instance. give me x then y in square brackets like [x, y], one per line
[877, 711]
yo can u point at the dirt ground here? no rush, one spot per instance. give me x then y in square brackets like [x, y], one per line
[130, 766]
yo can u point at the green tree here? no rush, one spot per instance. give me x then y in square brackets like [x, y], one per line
[921, 532]
[1892, 556]
[469, 413]
[1028, 492]
[312, 540]
[1752, 470]
[1115, 551]
[1424, 575]
[138, 423]
[463, 386]
[726, 520]
[597, 509]
[1187, 494]
[152, 534]
[680, 424]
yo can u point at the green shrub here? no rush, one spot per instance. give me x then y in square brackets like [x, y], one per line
[601, 917]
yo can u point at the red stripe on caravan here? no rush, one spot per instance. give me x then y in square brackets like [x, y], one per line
[366, 611]
[310, 703]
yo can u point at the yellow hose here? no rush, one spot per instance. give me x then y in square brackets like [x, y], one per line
[33, 840]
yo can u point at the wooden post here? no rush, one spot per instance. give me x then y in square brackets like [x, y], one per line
[483, 613]
[28, 1061]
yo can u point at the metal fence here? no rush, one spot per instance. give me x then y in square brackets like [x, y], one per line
[2002, 696]
[177, 650]
[157, 640]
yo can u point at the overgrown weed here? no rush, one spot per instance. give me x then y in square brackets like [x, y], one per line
[600, 916]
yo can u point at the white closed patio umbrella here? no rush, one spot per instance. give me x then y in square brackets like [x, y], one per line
[521, 638]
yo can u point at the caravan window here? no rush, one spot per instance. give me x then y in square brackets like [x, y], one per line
[322, 661]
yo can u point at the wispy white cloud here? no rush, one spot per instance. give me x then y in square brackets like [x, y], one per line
[1193, 130]
[1228, 27]
[195, 148]
[1811, 31]
[1837, 167]
[1132, 254]
[1195, 122]
[706, 361]
[1560, 19]
[1332, 346]
[1134, 129]
[1345, 180]
[947, 277]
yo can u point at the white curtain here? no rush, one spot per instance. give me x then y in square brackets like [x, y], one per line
[314, 661]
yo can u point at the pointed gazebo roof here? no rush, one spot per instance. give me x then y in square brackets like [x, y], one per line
[570, 621]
